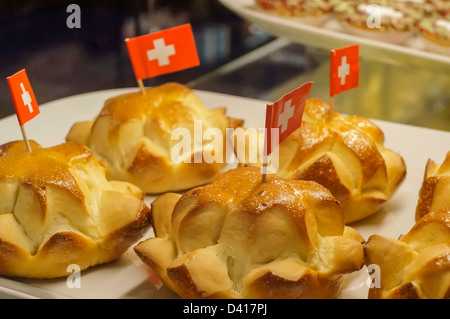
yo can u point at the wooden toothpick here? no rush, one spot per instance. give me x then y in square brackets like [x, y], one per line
[141, 86]
[25, 138]
[264, 170]
[332, 102]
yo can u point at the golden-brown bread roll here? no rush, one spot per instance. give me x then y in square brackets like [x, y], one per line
[344, 154]
[435, 190]
[415, 266]
[132, 138]
[240, 238]
[58, 209]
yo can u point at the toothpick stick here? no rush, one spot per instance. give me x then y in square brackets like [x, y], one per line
[332, 101]
[141, 86]
[25, 138]
[264, 170]
[264, 175]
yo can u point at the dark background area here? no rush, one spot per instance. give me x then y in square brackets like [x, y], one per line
[61, 61]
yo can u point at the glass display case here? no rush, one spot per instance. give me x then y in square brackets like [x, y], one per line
[387, 91]
[398, 83]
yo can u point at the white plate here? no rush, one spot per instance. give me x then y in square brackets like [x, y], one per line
[331, 35]
[127, 277]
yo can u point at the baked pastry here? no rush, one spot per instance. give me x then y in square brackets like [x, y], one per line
[435, 190]
[437, 7]
[415, 266]
[240, 238]
[133, 138]
[435, 32]
[58, 209]
[313, 12]
[419, 4]
[381, 20]
[345, 154]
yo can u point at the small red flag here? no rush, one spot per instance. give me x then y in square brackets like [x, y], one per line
[23, 97]
[344, 69]
[285, 114]
[163, 52]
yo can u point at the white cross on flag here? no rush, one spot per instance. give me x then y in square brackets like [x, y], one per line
[286, 115]
[344, 69]
[163, 52]
[23, 97]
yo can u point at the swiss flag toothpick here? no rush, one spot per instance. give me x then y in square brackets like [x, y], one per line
[344, 69]
[23, 97]
[162, 52]
[24, 100]
[285, 114]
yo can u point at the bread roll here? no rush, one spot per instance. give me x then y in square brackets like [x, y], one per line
[435, 190]
[240, 238]
[58, 209]
[133, 138]
[344, 154]
[417, 266]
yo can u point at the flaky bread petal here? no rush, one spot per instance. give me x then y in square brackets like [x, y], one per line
[392, 258]
[352, 233]
[162, 208]
[407, 290]
[341, 255]
[79, 132]
[432, 229]
[60, 251]
[127, 188]
[431, 271]
[433, 194]
[200, 274]
[290, 280]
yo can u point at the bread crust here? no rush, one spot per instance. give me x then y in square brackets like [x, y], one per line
[239, 238]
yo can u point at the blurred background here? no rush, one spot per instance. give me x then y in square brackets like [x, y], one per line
[236, 56]
[61, 61]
